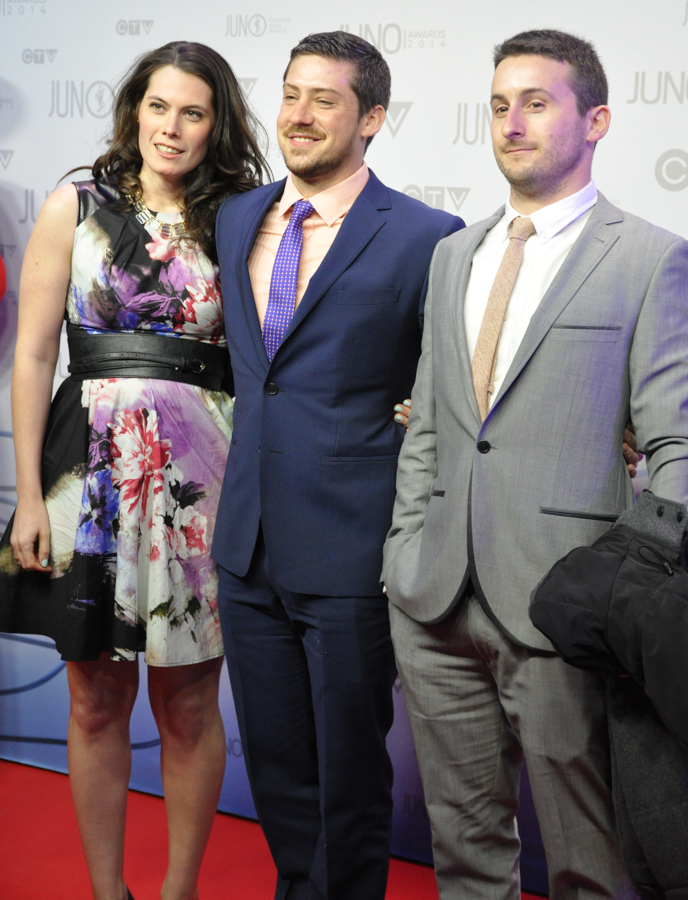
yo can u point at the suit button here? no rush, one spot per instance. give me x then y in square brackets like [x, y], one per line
[484, 446]
[272, 389]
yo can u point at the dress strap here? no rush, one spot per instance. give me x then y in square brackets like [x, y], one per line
[92, 195]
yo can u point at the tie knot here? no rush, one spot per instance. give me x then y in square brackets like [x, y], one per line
[300, 211]
[521, 228]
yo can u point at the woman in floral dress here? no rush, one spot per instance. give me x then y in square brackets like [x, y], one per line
[118, 479]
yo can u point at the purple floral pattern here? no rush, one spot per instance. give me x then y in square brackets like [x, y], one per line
[148, 491]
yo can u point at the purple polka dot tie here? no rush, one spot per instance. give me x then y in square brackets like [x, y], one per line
[282, 297]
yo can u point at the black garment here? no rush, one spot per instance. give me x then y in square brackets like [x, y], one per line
[621, 606]
[650, 793]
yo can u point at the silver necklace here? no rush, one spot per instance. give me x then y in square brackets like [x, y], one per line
[146, 217]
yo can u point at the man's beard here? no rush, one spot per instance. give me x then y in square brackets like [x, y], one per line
[324, 165]
[544, 176]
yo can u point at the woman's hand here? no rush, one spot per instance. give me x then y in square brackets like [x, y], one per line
[42, 295]
[31, 536]
[401, 413]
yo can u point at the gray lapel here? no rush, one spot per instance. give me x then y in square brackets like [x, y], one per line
[459, 285]
[595, 241]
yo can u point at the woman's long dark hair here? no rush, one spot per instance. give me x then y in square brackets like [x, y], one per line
[233, 162]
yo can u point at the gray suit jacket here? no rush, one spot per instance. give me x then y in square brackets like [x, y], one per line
[504, 501]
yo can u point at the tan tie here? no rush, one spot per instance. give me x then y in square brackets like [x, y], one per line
[485, 352]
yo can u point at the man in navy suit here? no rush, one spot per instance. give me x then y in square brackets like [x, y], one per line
[323, 278]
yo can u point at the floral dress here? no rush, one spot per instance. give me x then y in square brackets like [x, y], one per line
[132, 467]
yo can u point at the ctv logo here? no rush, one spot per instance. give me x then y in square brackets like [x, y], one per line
[133, 26]
[671, 170]
[435, 196]
[247, 85]
[396, 114]
[38, 57]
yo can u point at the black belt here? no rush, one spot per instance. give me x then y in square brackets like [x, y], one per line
[143, 355]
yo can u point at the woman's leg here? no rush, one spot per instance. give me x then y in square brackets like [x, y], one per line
[184, 700]
[102, 697]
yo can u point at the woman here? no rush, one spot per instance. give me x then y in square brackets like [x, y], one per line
[111, 536]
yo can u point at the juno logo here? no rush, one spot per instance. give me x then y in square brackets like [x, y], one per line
[666, 88]
[246, 26]
[30, 206]
[471, 127]
[71, 99]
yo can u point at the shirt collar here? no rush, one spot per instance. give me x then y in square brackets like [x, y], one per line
[332, 203]
[552, 219]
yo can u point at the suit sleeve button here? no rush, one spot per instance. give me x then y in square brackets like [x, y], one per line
[271, 388]
[484, 446]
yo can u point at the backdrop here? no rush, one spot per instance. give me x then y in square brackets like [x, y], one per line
[60, 62]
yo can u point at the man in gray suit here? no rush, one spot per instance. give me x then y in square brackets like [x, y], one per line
[547, 326]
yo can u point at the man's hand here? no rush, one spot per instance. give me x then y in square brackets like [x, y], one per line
[630, 449]
[401, 413]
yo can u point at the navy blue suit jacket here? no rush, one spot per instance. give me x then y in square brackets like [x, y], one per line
[314, 450]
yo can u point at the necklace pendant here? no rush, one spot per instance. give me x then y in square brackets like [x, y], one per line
[146, 218]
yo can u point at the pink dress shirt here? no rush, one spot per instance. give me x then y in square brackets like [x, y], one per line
[319, 231]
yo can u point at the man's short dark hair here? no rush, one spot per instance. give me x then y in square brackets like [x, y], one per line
[589, 83]
[372, 82]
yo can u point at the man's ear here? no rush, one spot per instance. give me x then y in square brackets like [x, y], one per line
[372, 121]
[599, 118]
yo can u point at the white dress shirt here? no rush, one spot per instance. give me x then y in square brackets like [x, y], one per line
[557, 227]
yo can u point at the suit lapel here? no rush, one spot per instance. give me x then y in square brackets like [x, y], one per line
[460, 285]
[595, 241]
[252, 227]
[360, 225]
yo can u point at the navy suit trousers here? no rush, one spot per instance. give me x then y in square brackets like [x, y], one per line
[312, 682]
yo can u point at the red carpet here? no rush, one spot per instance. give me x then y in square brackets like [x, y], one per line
[40, 852]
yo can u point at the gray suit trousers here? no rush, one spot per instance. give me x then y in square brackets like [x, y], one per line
[478, 705]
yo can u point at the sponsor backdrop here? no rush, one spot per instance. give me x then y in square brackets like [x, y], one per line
[60, 63]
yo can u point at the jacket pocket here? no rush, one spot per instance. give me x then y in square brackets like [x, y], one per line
[357, 460]
[606, 334]
[579, 514]
[368, 298]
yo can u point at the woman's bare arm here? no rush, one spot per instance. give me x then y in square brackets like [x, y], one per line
[42, 296]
